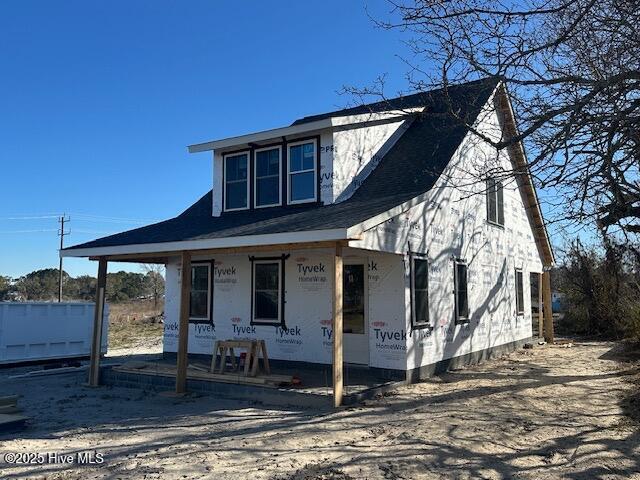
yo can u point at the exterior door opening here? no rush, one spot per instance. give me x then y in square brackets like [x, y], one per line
[354, 314]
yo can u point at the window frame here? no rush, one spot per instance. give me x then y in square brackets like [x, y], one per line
[313, 141]
[497, 194]
[255, 176]
[415, 325]
[519, 305]
[458, 318]
[224, 180]
[279, 322]
[208, 318]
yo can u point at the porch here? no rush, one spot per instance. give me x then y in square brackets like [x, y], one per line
[322, 383]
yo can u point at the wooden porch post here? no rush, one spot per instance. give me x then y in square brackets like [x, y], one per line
[540, 311]
[96, 340]
[183, 329]
[337, 327]
[548, 312]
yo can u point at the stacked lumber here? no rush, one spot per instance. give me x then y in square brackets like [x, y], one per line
[200, 372]
[10, 413]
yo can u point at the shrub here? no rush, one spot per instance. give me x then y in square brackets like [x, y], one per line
[601, 288]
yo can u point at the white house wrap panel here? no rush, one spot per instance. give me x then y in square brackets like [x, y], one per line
[308, 309]
[452, 223]
[396, 180]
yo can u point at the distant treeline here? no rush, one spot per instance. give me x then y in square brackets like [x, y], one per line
[121, 286]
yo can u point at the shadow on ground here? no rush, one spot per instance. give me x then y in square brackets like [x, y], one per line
[547, 414]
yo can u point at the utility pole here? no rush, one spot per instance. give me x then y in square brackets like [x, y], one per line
[61, 234]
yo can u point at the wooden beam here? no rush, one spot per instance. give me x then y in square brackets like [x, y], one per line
[518, 155]
[96, 340]
[337, 327]
[548, 311]
[162, 257]
[540, 311]
[183, 329]
[155, 259]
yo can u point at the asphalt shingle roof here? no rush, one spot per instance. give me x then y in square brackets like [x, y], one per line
[408, 169]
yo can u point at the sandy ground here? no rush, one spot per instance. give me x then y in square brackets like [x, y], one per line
[548, 413]
[138, 346]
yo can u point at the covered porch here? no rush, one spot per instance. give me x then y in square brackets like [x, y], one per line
[331, 384]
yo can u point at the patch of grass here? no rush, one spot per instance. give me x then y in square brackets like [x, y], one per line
[134, 323]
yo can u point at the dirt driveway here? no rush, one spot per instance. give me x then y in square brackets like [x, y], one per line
[548, 413]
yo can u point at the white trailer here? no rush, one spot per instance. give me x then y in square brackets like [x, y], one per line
[33, 331]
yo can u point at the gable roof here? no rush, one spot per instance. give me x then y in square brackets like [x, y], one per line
[410, 168]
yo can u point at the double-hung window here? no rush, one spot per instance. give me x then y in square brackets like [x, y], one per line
[495, 202]
[302, 172]
[460, 290]
[519, 292]
[200, 299]
[236, 181]
[267, 177]
[419, 292]
[267, 292]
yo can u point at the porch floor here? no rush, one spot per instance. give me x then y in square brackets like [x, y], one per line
[313, 387]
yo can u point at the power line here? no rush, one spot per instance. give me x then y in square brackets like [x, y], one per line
[80, 216]
[82, 230]
[103, 221]
[29, 217]
[29, 231]
[115, 219]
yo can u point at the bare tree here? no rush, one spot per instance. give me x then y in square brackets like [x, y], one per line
[572, 69]
[155, 279]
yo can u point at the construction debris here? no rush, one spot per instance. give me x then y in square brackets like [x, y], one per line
[50, 371]
[9, 411]
[198, 372]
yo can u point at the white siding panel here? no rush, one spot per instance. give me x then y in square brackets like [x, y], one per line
[356, 153]
[452, 223]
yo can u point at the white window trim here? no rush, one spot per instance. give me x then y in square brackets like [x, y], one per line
[315, 172]
[412, 271]
[224, 180]
[459, 318]
[255, 176]
[519, 308]
[208, 317]
[266, 321]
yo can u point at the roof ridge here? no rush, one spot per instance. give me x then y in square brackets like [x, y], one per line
[399, 102]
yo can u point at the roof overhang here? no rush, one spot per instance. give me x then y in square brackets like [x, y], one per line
[335, 123]
[519, 157]
[168, 248]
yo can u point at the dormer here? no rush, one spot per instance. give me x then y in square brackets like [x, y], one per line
[315, 161]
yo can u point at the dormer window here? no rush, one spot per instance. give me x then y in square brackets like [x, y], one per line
[236, 181]
[302, 172]
[267, 177]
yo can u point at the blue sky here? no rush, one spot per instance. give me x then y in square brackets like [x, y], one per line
[98, 101]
